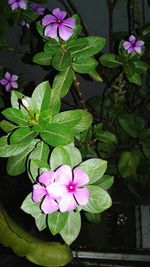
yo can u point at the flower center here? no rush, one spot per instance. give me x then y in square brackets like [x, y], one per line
[59, 21]
[71, 187]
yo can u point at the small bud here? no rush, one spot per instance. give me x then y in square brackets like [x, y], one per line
[25, 103]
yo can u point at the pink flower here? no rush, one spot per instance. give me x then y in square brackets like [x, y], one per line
[57, 25]
[15, 4]
[9, 81]
[40, 193]
[69, 189]
[39, 10]
[133, 45]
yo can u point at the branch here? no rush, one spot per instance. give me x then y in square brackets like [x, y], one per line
[76, 85]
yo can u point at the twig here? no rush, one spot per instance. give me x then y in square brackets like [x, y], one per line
[14, 50]
[76, 85]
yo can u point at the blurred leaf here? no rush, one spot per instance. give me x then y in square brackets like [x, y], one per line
[109, 61]
[84, 65]
[128, 163]
[131, 124]
[93, 217]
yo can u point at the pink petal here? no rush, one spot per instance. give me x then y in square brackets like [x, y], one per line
[80, 177]
[8, 86]
[49, 205]
[56, 190]
[139, 43]
[132, 39]
[14, 78]
[3, 81]
[7, 75]
[137, 49]
[38, 192]
[46, 178]
[70, 22]
[127, 45]
[22, 4]
[130, 50]
[67, 203]
[82, 196]
[14, 84]
[11, 1]
[59, 14]
[63, 174]
[51, 31]
[48, 19]
[64, 32]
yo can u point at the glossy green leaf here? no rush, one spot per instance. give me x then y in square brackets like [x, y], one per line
[62, 81]
[54, 102]
[131, 124]
[61, 60]
[16, 96]
[34, 166]
[99, 200]
[84, 123]
[109, 61]
[42, 58]
[128, 163]
[106, 137]
[22, 134]
[105, 182]
[69, 118]
[7, 126]
[95, 76]
[56, 134]
[15, 116]
[68, 155]
[95, 168]
[84, 65]
[41, 96]
[72, 227]
[135, 78]
[141, 66]
[56, 221]
[51, 47]
[76, 45]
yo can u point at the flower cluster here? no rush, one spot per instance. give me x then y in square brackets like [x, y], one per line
[63, 189]
[133, 45]
[15, 4]
[9, 81]
[39, 10]
[57, 25]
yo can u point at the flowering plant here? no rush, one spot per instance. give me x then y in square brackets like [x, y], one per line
[65, 152]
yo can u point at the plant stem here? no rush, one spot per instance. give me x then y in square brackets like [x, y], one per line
[79, 93]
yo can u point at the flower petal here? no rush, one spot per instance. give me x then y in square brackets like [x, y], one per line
[14, 6]
[70, 22]
[11, 1]
[14, 84]
[14, 78]
[3, 81]
[59, 14]
[8, 86]
[64, 32]
[38, 192]
[82, 196]
[22, 4]
[63, 174]
[56, 190]
[139, 43]
[46, 178]
[80, 177]
[48, 19]
[130, 50]
[67, 203]
[49, 205]
[51, 31]
[7, 75]
[137, 49]
[127, 45]
[132, 39]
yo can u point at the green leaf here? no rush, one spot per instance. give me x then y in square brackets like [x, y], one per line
[23, 134]
[106, 137]
[109, 61]
[146, 31]
[40, 30]
[95, 45]
[135, 78]
[34, 167]
[56, 221]
[128, 163]
[77, 29]
[72, 227]
[141, 66]
[69, 118]
[62, 81]
[17, 164]
[56, 134]
[42, 58]
[62, 155]
[84, 65]
[99, 200]
[41, 96]
[105, 182]
[95, 168]
[51, 47]
[11, 150]
[131, 124]
[40, 152]
[93, 217]
[15, 97]
[76, 45]
[15, 116]
[129, 69]
[61, 60]
[54, 102]
[95, 76]
[84, 123]
[29, 15]
[7, 126]
[146, 148]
